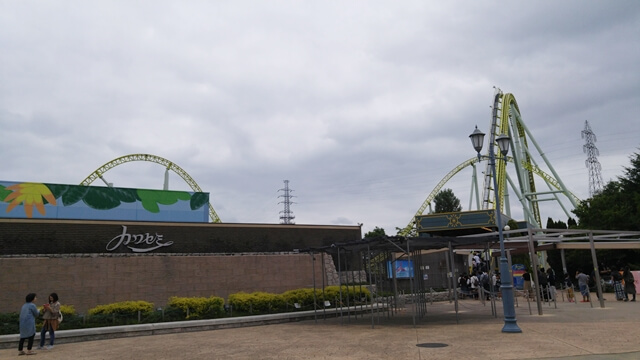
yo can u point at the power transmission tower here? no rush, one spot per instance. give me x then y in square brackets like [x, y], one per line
[595, 177]
[286, 216]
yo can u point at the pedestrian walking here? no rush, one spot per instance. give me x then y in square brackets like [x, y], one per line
[583, 284]
[28, 315]
[616, 277]
[629, 283]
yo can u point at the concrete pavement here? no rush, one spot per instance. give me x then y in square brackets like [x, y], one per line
[570, 331]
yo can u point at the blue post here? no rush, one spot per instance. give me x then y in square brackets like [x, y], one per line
[506, 287]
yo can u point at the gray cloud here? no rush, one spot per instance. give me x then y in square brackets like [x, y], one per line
[364, 107]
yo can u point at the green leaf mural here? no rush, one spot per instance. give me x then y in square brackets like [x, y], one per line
[101, 198]
[198, 200]
[74, 194]
[127, 195]
[4, 192]
[57, 190]
[150, 199]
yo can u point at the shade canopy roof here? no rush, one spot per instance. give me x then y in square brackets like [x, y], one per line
[515, 241]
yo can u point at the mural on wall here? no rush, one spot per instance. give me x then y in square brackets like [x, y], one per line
[58, 201]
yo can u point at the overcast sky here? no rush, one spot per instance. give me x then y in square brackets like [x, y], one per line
[364, 106]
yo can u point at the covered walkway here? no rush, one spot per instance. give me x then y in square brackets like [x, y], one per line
[373, 255]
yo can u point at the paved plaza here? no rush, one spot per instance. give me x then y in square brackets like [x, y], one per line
[570, 331]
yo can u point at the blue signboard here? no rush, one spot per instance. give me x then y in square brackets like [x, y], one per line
[518, 280]
[402, 268]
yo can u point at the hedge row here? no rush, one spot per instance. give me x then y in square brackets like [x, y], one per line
[300, 299]
[191, 308]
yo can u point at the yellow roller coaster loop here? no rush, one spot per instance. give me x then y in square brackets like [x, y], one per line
[154, 159]
[534, 169]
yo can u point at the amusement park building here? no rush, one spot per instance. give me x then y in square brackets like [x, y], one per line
[68, 244]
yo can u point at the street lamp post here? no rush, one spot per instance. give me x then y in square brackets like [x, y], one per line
[506, 287]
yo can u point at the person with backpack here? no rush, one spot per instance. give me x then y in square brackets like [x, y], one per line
[551, 280]
[616, 276]
[474, 284]
[463, 283]
[484, 282]
[629, 284]
[476, 263]
[543, 281]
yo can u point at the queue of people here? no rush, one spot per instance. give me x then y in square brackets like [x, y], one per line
[623, 284]
[29, 313]
[471, 285]
[546, 281]
[479, 280]
[622, 281]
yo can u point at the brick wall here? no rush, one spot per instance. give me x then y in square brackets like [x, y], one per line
[79, 260]
[85, 281]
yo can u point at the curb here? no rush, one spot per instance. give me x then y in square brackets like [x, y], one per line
[112, 332]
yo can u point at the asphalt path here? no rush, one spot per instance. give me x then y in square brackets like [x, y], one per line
[564, 331]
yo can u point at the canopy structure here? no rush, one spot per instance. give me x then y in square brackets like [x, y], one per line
[373, 254]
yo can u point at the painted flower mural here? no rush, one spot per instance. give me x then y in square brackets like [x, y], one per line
[29, 194]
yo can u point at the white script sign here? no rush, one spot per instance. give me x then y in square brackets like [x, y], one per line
[146, 242]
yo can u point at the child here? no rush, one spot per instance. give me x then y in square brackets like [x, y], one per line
[569, 285]
[28, 315]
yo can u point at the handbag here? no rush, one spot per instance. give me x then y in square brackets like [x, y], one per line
[60, 318]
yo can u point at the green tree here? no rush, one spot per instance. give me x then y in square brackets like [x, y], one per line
[513, 225]
[631, 181]
[376, 232]
[555, 224]
[617, 206]
[446, 201]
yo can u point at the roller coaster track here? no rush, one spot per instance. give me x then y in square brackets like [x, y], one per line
[149, 158]
[506, 119]
[471, 162]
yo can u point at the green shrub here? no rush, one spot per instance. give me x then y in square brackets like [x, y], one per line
[67, 310]
[9, 323]
[300, 296]
[304, 297]
[124, 308]
[257, 302]
[351, 295]
[198, 307]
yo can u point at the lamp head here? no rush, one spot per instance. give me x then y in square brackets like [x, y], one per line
[477, 139]
[503, 143]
